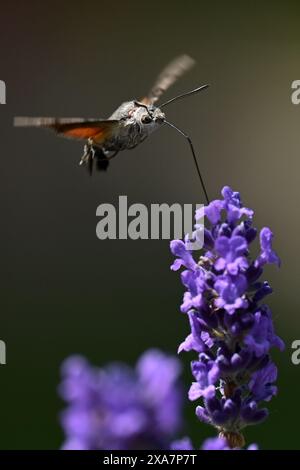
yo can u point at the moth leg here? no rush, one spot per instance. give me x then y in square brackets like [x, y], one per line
[99, 155]
[88, 152]
[88, 155]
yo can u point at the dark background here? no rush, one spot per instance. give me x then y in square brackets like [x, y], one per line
[63, 290]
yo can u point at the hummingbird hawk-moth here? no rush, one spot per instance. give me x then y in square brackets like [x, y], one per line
[127, 127]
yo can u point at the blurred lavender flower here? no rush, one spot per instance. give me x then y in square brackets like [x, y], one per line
[231, 330]
[121, 408]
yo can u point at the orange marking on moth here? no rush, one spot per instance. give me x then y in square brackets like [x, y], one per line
[102, 135]
[83, 132]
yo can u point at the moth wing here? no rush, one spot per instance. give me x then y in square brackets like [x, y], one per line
[168, 76]
[75, 128]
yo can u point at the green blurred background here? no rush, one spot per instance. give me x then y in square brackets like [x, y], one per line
[62, 290]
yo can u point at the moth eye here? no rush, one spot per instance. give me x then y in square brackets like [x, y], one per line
[146, 119]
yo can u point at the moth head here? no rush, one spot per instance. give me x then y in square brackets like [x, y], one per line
[152, 115]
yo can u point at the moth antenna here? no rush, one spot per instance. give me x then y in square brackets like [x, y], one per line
[183, 95]
[194, 157]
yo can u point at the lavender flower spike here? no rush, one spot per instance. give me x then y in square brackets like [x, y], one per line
[232, 330]
[212, 443]
[119, 408]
